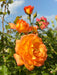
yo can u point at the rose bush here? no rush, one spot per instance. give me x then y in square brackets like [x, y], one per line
[31, 50]
[30, 46]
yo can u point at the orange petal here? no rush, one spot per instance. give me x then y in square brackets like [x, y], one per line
[18, 60]
[29, 67]
[17, 45]
[12, 25]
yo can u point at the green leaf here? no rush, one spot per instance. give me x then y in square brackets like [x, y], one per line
[2, 0]
[2, 5]
[4, 13]
[1, 13]
[8, 12]
[7, 27]
[33, 73]
[3, 70]
[18, 17]
[10, 1]
[0, 68]
[49, 34]
[44, 73]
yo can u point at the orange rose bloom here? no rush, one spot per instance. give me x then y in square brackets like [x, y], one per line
[21, 26]
[34, 29]
[56, 17]
[30, 51]
[28, 9]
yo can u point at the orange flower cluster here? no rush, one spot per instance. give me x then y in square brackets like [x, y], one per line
[30, 51]
[28, 9]
[23, 27]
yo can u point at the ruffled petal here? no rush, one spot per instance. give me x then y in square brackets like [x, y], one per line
[29, 67]
[18, 60]
[12, 25]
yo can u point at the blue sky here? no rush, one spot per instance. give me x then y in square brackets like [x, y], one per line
[47, 8]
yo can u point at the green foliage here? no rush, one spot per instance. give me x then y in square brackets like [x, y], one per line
[3, 70]
[8, 65]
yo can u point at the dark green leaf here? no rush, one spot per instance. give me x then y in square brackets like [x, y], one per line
[1, 13]
[8, 12]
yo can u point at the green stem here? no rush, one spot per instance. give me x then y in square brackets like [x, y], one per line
[5, 21]
[3, 24]
[30, 18]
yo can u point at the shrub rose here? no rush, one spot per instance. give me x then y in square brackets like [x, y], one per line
[30, 51]
[28, 9]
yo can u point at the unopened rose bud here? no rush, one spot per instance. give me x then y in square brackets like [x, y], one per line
[53, 25]
[52, 21]
[28, 9]
[34, 15]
